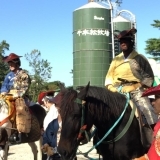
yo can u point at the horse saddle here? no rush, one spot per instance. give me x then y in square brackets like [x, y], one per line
[34, 128]
[34, 134]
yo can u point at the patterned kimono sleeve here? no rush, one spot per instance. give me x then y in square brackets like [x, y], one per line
[22, 82]
[110, 74]
[157, 143]
[154, 150]
[142, 70]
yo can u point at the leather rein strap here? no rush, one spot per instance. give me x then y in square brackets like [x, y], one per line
[83, 128]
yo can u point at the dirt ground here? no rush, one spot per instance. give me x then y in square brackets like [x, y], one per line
[23, 152]
[20, 152]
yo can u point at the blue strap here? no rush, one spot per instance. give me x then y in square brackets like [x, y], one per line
[110, 130]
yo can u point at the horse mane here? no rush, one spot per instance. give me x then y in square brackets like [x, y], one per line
[98, 100]
[69, 96]
[104, 102]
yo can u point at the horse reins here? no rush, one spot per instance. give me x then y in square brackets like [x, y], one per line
[84, 127]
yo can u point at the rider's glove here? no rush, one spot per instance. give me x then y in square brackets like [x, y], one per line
[127, 89]
[51, 151]
[111, 88]
[44, 148]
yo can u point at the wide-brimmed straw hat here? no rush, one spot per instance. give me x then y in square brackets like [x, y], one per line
[126, 34]
[11, 57]
[152, 91]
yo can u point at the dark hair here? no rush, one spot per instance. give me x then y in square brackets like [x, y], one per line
[48, 98]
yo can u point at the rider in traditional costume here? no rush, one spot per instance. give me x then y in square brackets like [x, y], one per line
[16, 83]
[17, 79]
[154, 151]
[50, 124]
[133, 73]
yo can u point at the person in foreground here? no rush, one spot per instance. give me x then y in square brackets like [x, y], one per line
[133, 73]
[154, 151]
[51, 127]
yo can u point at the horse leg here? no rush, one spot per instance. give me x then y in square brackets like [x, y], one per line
[3, 144]
[39, 144]
[6, 149]
[34, 149]
[41, 156]
[2, 154]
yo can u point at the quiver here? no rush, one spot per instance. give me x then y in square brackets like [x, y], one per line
[23, 116]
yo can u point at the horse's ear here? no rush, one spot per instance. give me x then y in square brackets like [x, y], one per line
[62, 86]
[83, 93]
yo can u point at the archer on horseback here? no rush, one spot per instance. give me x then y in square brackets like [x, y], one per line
[16, 85]
[132, 72]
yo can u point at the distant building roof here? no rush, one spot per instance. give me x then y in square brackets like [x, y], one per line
[120, 19]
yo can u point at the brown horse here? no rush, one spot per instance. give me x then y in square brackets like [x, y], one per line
[9, 134]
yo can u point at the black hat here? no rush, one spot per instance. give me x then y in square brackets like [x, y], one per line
[126, 34]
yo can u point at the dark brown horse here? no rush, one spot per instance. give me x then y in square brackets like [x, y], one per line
[99, 107]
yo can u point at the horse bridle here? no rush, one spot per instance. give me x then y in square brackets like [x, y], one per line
[83, 128]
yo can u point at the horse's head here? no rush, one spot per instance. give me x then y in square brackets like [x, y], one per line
[71, 114]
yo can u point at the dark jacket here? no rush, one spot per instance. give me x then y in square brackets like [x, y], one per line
[50, 135]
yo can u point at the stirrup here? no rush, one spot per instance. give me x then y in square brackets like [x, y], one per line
[15, 138]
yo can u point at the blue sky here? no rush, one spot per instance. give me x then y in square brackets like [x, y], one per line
[47, 26]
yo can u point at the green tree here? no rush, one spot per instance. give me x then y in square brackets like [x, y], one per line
[153, 44]
[3, 46]
[53, 85]
[4, 67]
[40, 73]
[156, 24]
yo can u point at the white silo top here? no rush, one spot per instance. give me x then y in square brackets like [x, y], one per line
[154, 66]
[120, 19]
[91, 5]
